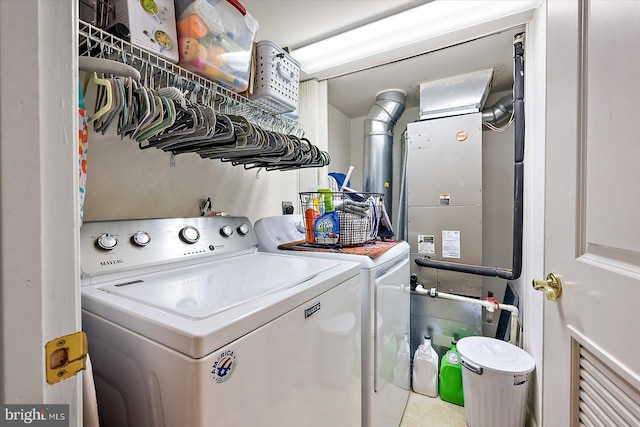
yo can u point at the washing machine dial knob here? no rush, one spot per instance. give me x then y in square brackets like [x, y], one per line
[189, 234]
[106, 241]
[300, 227]
[226, 231]
[243, 229]
[141, 238]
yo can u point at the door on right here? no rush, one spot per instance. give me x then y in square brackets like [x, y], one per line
[591, 361]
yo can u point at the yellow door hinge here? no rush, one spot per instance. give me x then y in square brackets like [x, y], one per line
[65, 356]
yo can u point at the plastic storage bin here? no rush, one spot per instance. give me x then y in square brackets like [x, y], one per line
[277, 78]
[215, 40]
[495, 380]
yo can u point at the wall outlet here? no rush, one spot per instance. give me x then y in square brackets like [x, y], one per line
[287, 208]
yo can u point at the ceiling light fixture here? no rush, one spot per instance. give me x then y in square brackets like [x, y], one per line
[428, 21]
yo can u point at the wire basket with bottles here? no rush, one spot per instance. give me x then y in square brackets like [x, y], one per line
[341, 219]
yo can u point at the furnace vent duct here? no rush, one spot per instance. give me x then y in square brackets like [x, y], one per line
[499, 112]
[455, 95]
[378, 143]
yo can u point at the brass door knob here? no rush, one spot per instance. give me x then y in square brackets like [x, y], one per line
[552, 287]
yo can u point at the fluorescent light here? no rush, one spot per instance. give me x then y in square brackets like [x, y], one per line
[431, 20]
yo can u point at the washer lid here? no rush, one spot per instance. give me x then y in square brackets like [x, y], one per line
[495, 354]
[209, 289]
[200, 308]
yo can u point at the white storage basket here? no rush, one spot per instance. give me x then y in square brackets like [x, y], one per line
[277, 78]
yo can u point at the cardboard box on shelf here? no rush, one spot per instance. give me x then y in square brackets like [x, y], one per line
[151, 23]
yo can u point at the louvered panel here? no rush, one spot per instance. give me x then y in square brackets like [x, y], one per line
[589, 399]
[605, 398]
[588, 417]
[623, 398]
[623, 416]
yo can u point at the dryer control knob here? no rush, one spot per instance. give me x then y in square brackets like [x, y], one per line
[141, 238]
[106, 241]
[189, 234]
[243, 229]
[226, 231]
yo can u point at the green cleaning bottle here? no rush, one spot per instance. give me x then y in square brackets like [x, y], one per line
[451, 377]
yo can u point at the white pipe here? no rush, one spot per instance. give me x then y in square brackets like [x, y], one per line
[489, 305]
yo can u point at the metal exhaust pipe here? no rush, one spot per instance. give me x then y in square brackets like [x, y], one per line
[499, 112]
[378, 143]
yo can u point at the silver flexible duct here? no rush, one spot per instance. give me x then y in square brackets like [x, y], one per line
[499, 112]
[378, 143]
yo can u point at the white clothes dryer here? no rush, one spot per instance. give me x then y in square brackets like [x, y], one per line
[189, 325]
[385, 285]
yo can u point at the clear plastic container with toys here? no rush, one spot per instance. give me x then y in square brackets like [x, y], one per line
[215, 40]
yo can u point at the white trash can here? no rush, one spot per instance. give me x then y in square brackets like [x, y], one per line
[495, 380]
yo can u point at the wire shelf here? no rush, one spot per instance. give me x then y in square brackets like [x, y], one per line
[158, 72]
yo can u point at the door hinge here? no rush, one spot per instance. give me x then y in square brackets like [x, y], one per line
[65, 356]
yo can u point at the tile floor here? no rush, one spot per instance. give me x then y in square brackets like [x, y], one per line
[424, 411]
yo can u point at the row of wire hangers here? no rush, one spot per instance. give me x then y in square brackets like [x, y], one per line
[161, 109]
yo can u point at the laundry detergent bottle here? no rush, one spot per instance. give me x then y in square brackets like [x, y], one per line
[401, 374]
[451, 377]
[327, 227]
[425, 369]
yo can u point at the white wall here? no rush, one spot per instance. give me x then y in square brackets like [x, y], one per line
[39, 283]
[356, 147]
[124, 182]
[339, 142]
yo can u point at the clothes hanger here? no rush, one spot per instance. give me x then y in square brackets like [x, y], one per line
[136, 105]
[155, 120]
[167, 119]
[147, 110]
[101, 83]
[187, 122]
[102, 124]
[208, 134]
[129, 107]
[107, 66]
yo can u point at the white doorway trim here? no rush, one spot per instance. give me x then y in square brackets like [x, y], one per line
[39, 265]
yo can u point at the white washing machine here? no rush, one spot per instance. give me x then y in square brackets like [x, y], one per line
[190, 326]
[385, 285]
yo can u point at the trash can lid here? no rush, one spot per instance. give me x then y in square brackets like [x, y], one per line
[495, 354]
